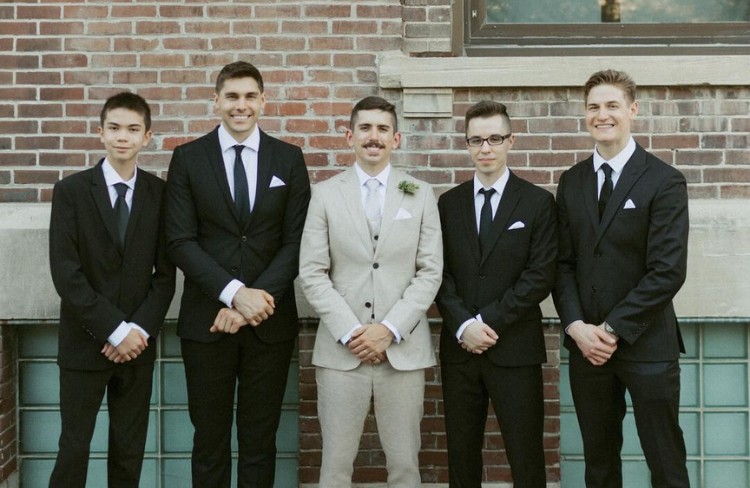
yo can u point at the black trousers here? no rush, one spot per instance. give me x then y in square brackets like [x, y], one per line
[128, 391]
[518, 400]
[599, 398]
[258, 373]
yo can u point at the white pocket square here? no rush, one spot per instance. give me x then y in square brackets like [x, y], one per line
[275, 181]
[629, 204]
[517, 225]
[403, 214]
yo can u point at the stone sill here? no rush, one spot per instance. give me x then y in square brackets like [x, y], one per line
[428, 83]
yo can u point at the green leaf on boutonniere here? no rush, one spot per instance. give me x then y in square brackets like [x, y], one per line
[408, 187]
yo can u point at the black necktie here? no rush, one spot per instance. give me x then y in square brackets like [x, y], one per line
[606, 190]
[485, 219]
[241, 193]
[122, 213]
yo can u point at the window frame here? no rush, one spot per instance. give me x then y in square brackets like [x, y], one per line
[474, 37]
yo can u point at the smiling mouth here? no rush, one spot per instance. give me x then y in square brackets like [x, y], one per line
[373, 145]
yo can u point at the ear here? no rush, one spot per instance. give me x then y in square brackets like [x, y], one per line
[396, 140]
[633, 109]
[349, 137]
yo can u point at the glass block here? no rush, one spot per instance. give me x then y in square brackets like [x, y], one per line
[287, 437]
[727, 474]
[635, 474]
[153, 432]
[291, 395]
[39, 431]
[174, 389]
[694, 472]
[725, 385]
[570, 435]
[97, 473]
[725, 341]
[39, 383]
[572, 473]
[176, 472]
[35, 473]
[689, 381]
[286, 472]
[566, 396]
[149, 474]
[177, 431]
[37, 341]
[690, 333]
[726, 434]
[170, 343]
[690, 424]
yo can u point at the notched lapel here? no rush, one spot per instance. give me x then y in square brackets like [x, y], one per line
[505, 209]
[265, 172]
[100, 194]
[140, 195]
[469, 217]
[216, 161]
[352, 195]
[634, 169]
[393, 201]
[590, 192]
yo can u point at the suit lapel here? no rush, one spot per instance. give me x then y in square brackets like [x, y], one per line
[393, 199]
[467, 215]
[265, 171]
[589, 190]
[352, 194]
[140, 195]
[216, 162]
[505, 209]
[100, 194]
[631, 173]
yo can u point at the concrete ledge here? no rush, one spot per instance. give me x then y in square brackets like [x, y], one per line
[717, 283]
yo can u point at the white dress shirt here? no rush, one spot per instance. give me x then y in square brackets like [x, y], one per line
[617, 164]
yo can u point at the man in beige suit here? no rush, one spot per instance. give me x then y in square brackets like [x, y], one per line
[370, 265]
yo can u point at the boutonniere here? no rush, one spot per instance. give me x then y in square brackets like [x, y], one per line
[408, 187]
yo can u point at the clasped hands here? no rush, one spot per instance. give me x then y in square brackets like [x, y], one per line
[251, 307]
[128, 349]
[369, 342]
[596, 344]
[477, 337]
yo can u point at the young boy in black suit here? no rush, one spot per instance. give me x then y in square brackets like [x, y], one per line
[109, 266]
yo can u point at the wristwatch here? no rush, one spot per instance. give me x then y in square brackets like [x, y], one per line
[609, 329]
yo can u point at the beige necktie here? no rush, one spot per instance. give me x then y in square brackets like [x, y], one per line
[372, 207]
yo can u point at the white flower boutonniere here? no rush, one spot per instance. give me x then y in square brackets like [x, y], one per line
[408, 187]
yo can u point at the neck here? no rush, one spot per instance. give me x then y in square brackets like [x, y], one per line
[609, 151]
[372, 171]
[126, 169]
[487, 180]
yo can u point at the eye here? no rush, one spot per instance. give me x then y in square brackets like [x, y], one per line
[496, 139]
[474, 141]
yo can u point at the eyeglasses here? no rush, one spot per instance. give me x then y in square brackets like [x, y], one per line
[493, 140]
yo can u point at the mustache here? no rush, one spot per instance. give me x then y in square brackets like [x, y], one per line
[375, 144]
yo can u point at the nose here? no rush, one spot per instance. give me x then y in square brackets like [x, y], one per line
[485, 147]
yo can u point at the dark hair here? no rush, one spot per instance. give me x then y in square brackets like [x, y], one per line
[374, 103]
[129, 101]
[485, 109]
[238, 69]
[611, 77]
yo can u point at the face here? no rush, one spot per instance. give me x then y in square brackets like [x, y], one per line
[489, 161]
[373, 139]
[608, 117]
[240, 103]
[124, 134]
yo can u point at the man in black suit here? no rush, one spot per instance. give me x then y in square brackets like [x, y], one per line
[623, 217]
[500, 248]
[236, 205]
[109, 266]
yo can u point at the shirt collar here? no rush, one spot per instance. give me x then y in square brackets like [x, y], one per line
[498, 185]
[227, 142]
[382, 177]
[618, 162]
[111, 177]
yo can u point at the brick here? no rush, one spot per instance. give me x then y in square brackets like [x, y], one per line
[39, 110]
[64, 61]
[88, 44]
[16, 158]
[355, 27]
[206, 27]
[162, 60]
[18, 195]
[688, 157]
[38, 44]
[255, 27]
[62, 94]
[726, 175]
[379, 11]
[86, 77]
[84, 12]
[229, 11]
[19, 93]
[378, 43]
[17, 28]
[328, 11]
[135, 44]
[38, 78]
[125, 78]
[306, 125]
[157, 27]
[308, 59]
[110, 28]
[282, 43]
[37, 142]
[20, 62]
[304, 27]
[114, 60]
[735, 191]
[185, 11]
[24, 177]
[331, 43]
[234, 43]
[346, 60]
[38, 12]
[277, 11]
[56, 27]
[211, 60]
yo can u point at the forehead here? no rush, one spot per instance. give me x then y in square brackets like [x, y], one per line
[123, 116]
[486, 126]
[240, 85]
[606, 93]
[373, 117]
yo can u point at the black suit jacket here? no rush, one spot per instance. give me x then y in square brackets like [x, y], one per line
[100, 284]
[626, 269]
[506, 284]
[206, 240]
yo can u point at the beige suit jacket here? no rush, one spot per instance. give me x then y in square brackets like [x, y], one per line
[348, 282]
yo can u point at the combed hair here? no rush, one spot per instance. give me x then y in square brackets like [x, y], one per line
[238, 69]
[485, 109]
[374, 103]
[129, 101]
[611, 77]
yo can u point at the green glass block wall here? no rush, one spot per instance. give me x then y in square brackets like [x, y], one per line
[714, 411]
[167, 458]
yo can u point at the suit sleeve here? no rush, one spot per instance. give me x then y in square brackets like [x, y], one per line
[98, 315]
[452, 308]
[666, 260]
[150, 314]
[315, 264]
[279, 275]
[538, 275]
[420, 293]
[565, 292]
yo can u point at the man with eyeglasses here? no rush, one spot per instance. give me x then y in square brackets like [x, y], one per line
[500, 250]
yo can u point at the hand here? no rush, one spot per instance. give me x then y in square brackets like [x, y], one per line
[228, 321]
[131, 346]
[477, 337]
[254, 304]
[596, 344]
[370, 341]
[110, 352]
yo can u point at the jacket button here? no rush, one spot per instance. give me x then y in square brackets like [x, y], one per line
[482, 276]
[244, 238]
[593, 288]
[234, 269]
[375, 265]
[368, 304]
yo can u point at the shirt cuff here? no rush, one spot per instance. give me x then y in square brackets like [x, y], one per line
[137, 327]
[229, 291]
[394, 330]
[116, 337]
[348, 336]
[465, 325]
